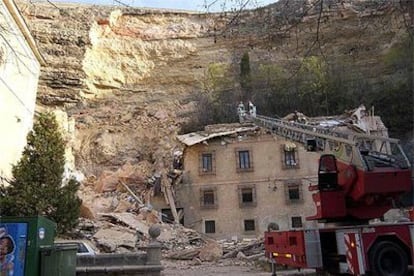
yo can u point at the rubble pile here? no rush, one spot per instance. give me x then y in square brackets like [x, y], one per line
[211, 250]
[249, 249]
[126, 232]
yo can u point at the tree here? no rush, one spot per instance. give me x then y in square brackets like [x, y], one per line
[215, 103]
[36, 188]
[245, 78]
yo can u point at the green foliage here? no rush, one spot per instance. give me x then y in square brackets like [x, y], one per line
[322, 86]
[312, 85]
[245, 78]
[396, 108]
[37, 185]
[269, 75]
[217, 78]
[245, 65]
[216, 102]
[400, 55]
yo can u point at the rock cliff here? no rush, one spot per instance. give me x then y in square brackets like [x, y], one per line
[127, 76]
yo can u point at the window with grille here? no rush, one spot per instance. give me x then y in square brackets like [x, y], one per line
[247, 195]
[244, 160]
[209, 226]
[207, 165]
[296, 222]
[249, 225]
[208, 197]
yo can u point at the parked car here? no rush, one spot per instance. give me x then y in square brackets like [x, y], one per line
[85, 247]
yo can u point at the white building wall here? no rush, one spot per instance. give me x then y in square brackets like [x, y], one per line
[19, 74]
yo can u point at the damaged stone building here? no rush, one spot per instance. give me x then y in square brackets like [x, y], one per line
[238, 178]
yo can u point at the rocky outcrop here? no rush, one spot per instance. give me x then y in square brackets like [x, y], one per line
[128, 76]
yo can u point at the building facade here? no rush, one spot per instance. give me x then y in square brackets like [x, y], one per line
[238, 179]
[20, 63]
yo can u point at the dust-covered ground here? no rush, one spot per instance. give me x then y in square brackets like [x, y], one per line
[223, 267]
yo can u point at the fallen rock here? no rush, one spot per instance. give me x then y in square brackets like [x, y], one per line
[241, 256]
[187, 254]
[107, 182]
[108, 240]
[123, 206]
[212, 251]
[100, 204]
[86, 212]
[197, 261]
[255, 256]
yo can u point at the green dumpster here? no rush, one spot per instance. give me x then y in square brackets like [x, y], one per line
[24, 236]
[58, 260]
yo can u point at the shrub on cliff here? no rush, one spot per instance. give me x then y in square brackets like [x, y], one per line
[36, 188]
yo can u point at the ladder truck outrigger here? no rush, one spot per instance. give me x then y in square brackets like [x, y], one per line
[360, 177]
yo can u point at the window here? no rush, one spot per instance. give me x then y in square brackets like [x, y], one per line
[249, 225]
[247, 195]
[244, 160]
[207, 165]
[209, 226]
[290, 159]
[290, 156]
[207, 162]
[208, 197]
[294, 193]
[296, 222]
[293, 190]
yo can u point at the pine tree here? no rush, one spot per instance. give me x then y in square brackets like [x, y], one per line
[245, 78]
[37, 185]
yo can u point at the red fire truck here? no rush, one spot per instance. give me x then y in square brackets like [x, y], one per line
[360, 178]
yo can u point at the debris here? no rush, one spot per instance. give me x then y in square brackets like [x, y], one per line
[240, 255]
[212, 251]
[128, 220]
[86, 212]
[186, 254]
[123, 206]
[110, 239]
[131, 192]
[251, 248]
[255, 256]
[171, 201]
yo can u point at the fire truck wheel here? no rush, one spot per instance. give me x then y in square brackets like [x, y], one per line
[388, 259]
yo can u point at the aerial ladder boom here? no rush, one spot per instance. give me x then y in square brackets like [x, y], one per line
[369, 174]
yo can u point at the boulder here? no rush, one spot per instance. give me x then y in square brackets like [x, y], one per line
[111, 238]
[212, 251]
[86, 212]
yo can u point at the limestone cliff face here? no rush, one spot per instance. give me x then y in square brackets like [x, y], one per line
[127, 76]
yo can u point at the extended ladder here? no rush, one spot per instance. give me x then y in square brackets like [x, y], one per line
[346, 146]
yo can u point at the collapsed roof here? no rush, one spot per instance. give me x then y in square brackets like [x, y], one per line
[357, 120]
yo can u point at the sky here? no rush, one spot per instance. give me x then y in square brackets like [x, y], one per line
[195, 5]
